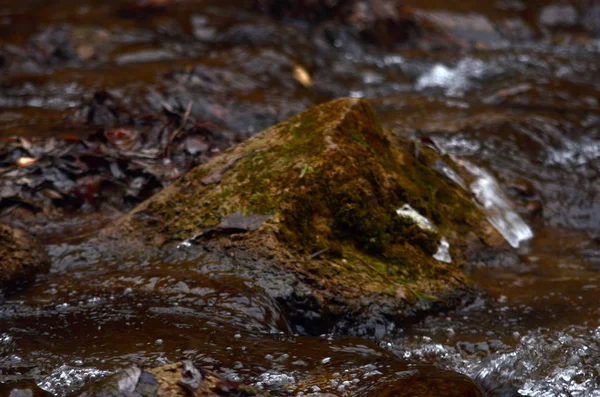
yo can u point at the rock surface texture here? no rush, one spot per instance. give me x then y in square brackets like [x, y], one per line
[173, 380]
[316, 198]
[21, 258]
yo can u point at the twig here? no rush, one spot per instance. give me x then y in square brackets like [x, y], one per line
[465, 285]
[174, 134]
[313, 256]
[168, 108]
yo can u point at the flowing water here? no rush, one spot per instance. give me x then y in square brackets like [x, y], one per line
[521, 114]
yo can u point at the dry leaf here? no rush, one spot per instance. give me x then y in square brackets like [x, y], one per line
[301, 75]
[128, 379]
[25, 161]
[237, 222]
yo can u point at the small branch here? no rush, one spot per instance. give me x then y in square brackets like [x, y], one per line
[174, 134]
[313, 256]
[168, 107]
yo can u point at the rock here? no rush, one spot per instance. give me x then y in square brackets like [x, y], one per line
[314, 11]
[166, 381]
[397, 379]
[21, 393]
[515, 30]
[381, 22]
[467, 28]
[155, 55]
[445, 383]
[317, 198]
[558, 16]
[591, 18]
[21, 259]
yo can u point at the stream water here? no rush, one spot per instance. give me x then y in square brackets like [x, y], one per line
[524, 107]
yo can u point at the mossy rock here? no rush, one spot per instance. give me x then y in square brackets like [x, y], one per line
[21, 258]
[327, 184]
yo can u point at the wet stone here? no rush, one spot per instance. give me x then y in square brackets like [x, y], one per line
[191, 377]
[515, 29]
[21, 393]
[22, 258]
[558, 16]
[469, 28]
[591, 18]
[258, 201]
[173, 380]
[147, 385]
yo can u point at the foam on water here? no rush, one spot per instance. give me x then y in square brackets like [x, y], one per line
[585, 152]
[406, 211]
[455, 81]
[66, 379]
[543, 363]
[443, 251]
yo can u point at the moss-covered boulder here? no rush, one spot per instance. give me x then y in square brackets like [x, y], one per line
[318, 196]
[21, 258]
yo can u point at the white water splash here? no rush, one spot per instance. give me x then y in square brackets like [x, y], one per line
[185, 244]
[443, 251]
[542, 364]
[454, 81]
[66, 379]
[270, 380]
[450, 174]
[407, 211]
[496, 206]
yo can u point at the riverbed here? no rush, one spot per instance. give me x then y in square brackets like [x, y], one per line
[512, 92]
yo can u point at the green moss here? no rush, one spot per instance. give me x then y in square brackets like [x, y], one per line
[333, 179]
[227, 193]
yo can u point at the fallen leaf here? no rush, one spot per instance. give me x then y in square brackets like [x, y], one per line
[121, 137]
[301, 76]
[25, 161]
[129, 379]
[243, 223]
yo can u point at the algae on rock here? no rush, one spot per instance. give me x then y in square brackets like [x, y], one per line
[330, 181]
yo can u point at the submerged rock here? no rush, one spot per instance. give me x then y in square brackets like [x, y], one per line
[168, 381]
[321, 193]
[397, 379]
[21, 258]
[467, 28]
[558, 15]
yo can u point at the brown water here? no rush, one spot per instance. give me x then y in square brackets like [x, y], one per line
[527, 110]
